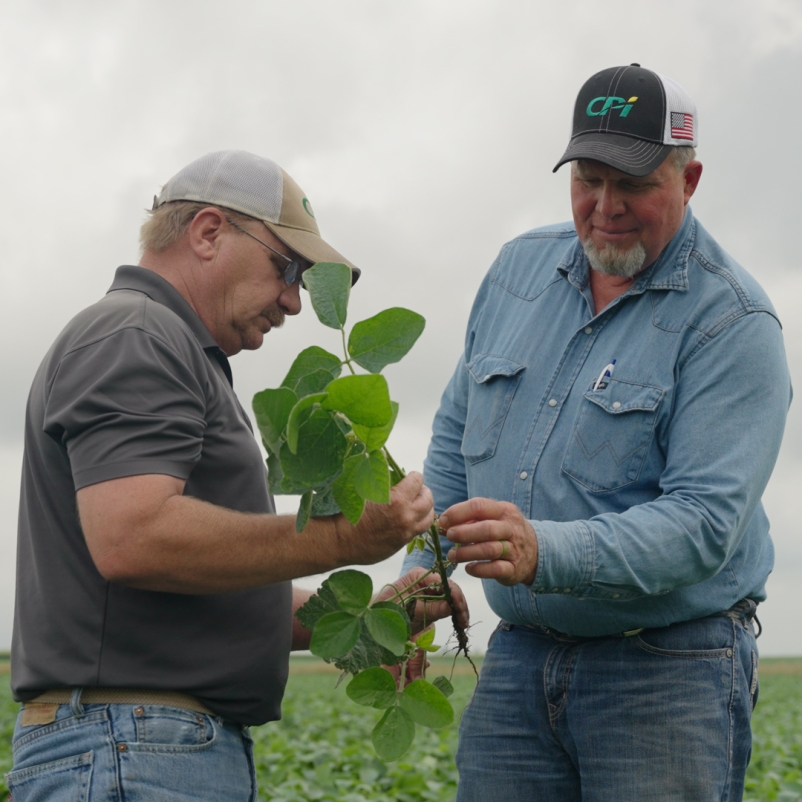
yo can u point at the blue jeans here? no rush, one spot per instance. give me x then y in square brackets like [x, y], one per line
[661, 715]
[129, 753]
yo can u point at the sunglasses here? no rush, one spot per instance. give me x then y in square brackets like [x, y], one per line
[292, 272]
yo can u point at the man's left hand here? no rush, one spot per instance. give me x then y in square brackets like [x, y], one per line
[427, 612]
[424, 615]
[494, 539]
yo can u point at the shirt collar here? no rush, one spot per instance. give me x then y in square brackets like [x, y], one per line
[158, 289]
[668, 272]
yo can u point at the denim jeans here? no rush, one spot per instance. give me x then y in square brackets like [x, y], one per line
[657, 716]
[131, 753]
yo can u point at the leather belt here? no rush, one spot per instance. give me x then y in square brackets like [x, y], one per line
[123, 696]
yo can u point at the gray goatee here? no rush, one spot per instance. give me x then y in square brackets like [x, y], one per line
[613, 261]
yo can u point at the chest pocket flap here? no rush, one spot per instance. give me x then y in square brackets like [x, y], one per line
[612, 434]
[490, 394]
[620, 397]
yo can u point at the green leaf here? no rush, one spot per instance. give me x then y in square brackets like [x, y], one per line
[321, 451]
[425, 639]
[362, 399]
[352, 589]
[388, 629]
[345, 493]
[323, 503]
[314, 382]
[323, 602]
[298, 416]
[374, 687]
[384, 338]
[426, 704]
[443, 685]
[274, 474]
[394, 734]
[307, 365]
[334, 635]
[329, 286]
[366, 653]
[272, 410]
[426, 642]
[302, 518]
[372, 477]
[376, 438]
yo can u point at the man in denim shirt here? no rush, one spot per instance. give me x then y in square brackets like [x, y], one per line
[612, 424]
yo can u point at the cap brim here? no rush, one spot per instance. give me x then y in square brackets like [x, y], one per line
[627, 154]
[311, 246]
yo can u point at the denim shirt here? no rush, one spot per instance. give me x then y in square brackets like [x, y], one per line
[644, 493]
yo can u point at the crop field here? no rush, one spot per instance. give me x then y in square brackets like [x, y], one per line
[321, 748]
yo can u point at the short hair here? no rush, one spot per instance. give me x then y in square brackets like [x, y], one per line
[167, 224]
[682, 155]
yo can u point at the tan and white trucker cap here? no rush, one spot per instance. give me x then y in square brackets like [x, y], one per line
[246, 183]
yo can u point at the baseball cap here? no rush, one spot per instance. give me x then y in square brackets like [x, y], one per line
[630, 118]
[257, 187]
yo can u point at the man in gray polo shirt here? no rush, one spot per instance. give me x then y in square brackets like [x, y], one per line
[154, 612]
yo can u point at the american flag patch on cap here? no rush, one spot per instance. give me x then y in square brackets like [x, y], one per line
[681, 125]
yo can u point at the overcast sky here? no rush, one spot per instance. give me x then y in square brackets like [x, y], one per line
[424, 134]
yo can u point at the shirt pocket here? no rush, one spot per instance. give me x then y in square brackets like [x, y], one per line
[612, 434]
[491, 387]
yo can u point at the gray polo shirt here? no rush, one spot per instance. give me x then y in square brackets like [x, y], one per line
[135, 384]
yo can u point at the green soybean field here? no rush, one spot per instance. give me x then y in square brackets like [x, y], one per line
[321, 750]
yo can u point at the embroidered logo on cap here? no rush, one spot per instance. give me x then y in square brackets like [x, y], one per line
[681, 125]
[308, 208]
[610, 103]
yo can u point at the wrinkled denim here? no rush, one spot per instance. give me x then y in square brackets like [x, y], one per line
[131, 753]
[661, 716]
[645, 492]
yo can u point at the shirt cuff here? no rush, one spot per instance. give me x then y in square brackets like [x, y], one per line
[565, 562]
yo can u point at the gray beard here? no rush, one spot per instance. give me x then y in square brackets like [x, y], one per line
[612, 261]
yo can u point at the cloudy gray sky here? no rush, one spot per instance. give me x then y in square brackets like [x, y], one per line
[424, 132]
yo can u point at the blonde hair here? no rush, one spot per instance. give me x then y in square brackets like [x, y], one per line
[167, 224]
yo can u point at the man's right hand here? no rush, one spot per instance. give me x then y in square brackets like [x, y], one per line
[383, 529]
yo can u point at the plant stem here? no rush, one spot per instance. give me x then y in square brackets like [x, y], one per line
[440, 567]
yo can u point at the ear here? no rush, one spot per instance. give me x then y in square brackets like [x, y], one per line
[204, 232]
[691, 174]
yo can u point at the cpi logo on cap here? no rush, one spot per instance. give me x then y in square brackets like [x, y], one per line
[609, 103]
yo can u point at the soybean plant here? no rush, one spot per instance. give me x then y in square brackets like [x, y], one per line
[326, 437]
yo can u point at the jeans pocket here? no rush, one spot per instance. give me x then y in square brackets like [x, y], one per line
[712, 637]
[490, 394]
[67, 780]
[171, 729]
[611, 435]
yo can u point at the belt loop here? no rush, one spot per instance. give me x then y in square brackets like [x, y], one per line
[75, 702]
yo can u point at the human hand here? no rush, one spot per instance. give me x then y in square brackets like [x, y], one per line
[383, 529]
[427, 612]
[494, 539]
[424, 614]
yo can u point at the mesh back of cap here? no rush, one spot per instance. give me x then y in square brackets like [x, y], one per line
[232, 178]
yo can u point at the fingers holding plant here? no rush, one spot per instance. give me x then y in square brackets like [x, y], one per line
[383, 529]
[493, 538]
[426, 590]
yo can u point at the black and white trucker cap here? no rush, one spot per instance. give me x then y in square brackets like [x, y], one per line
[629, 118]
